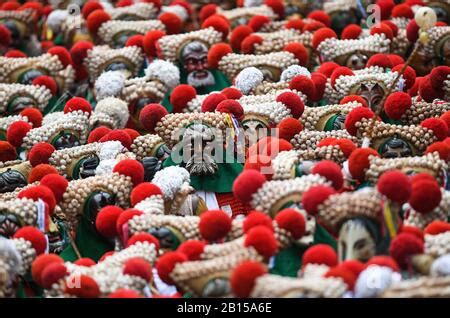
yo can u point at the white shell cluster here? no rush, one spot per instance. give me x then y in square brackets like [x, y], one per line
[165, 71]
[294, 70]
[40, 94]
[248, 79]
[109, 29]
[139, 10]
[109, 84]
[115, 108]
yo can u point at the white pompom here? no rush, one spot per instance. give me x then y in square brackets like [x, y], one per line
[110, 150]
[165, 71]
[292, 71]
[56, 18]
[373, 281]
[109, 84]
[114, 107]
[441, 266]
[248, 79]
[170, 180]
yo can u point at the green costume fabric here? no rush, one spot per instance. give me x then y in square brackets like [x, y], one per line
[221, 82]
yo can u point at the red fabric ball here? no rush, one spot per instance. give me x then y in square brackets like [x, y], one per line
[356, 115]
[77, 103]
[247, 183]
[46, 81]
[124, 293]
[39, 192]
[124, 217]
[293, 102]
[143, 237]
[382, 28]
[353, 265]
[58, 184]
[438, 75]
[238, 35]
[351, 31]
[166, 264]
[62, 53]
[131, 168]
[277, 6]
[425, 196]
[106, 221]
[85, 261]
[52, 273]
[138, 267]
[217, 52]
[149, 42]
[346, 275]
[180, 96]
[86, 288]
[380, 60]
[10, 6]
[409, 75]
[442, 148]
[422, 176]
[273, 146]
[256, 218]
[97, 134]
[232, 107]
[395, 185]
[412, 230]
[402, 11]
[34, 116]
[257, 22]
[358, 162]
[299, 51]
[260, 163]
[150, 115]
[382, 260]
[40, 263]
[295, 23]
[303, 84]
[262, 240]
[182, 3]
[207, 11]
[320, 254]
[218, 23]
[172, 22]
[243, 277]
[118, 135]
[89, 7]
[315, 196]
[14, 53]
[214, 225]
[386, 7]
[427, 92]
[321, 16]
[34, 236]
[354, 98]
[338, 72]
[438, 127]
[320, 82]
[95, 19]
[40, 153]
[135, 40]
[403, 247]
[412, 31]
[346, 145]
[288, 128]
[292, 221]
[327, 68]
[143, 191]
[397, 104]
[446, 118]
[124, 3]
[39, 171]
[211, 101]
[437, 227]
[7, 151]
[17, 131]
[248, 44]
[193, 249]
[414, 90]
[313, 26]
[231, 93]
[330, 171]
[396, 60]
[321, 35]
[132, 133]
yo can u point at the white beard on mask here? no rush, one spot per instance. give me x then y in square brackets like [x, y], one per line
[207, 81]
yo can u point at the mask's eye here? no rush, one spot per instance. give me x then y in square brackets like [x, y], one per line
[120, 39]
[19, 103]
[28, 76]
[13, 28]
[141, 103]
[116, 66]
[65, 139]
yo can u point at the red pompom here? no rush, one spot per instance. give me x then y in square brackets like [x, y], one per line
[402, 11]
[231, 93]
[422, 176]
[358, 162]
[386, 7]
[277, 7]
[425, 196]
[211, 101]
[292, 221]
[437, 126]
[238, 35]
[346, 275]
[437, 227]
[34, 116]
[132, 133]
[293, 102]
[295, 23]
[138, 267]
[124, 3]
[288, 128]
[320, 16]
[89, 7]
[260, 163]
[248, 44]
[63, 55]
[397, 104]
[409, 75]
[131, 168]
[320, 82]
[338, 72]
[327, 68]
[16, 132]
[232, 107]
[446, 118]
[136, 40]
[207, 11]
[85, 261]
[313, 26]
[243, 277]
[86, 287]
[172, 22]
[10, 6]
[96, 19]
[56, 183]
[39, 192]
[412, 31]
[149, 42]
[143, 191]
[106, 255]
[438, 75]
[353, 265]
[98, 133]
[382, 260]
[106, 221]
[40, 153]
[46, 81]
[5, 36]
[124, 293]
[79, 51]
[315, 196]
[52, 273]
[217, 52]
[7, 151]
[395, 185]
[299, 51]
[303, 84]
[320, 254]
[351, 31]
[396, 60]
[218, 23]
[150, 115]
[356, 115]
[427, 92]
[40, 264]
[346, 145]
[118, 135]
[247, 183]
[14, 53]
[166, 264]
[403, 247]
[330, 171]
[257, 22]
[39, 171]
[77, 103]
[124, 217]
[193, 249]
[262, 240]
[442, 148]
[256, 218]
[380, 60]
[321, 35]
[382, 28]
[34, 236]
[354, 98]
[214, 225]
[181, 95]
